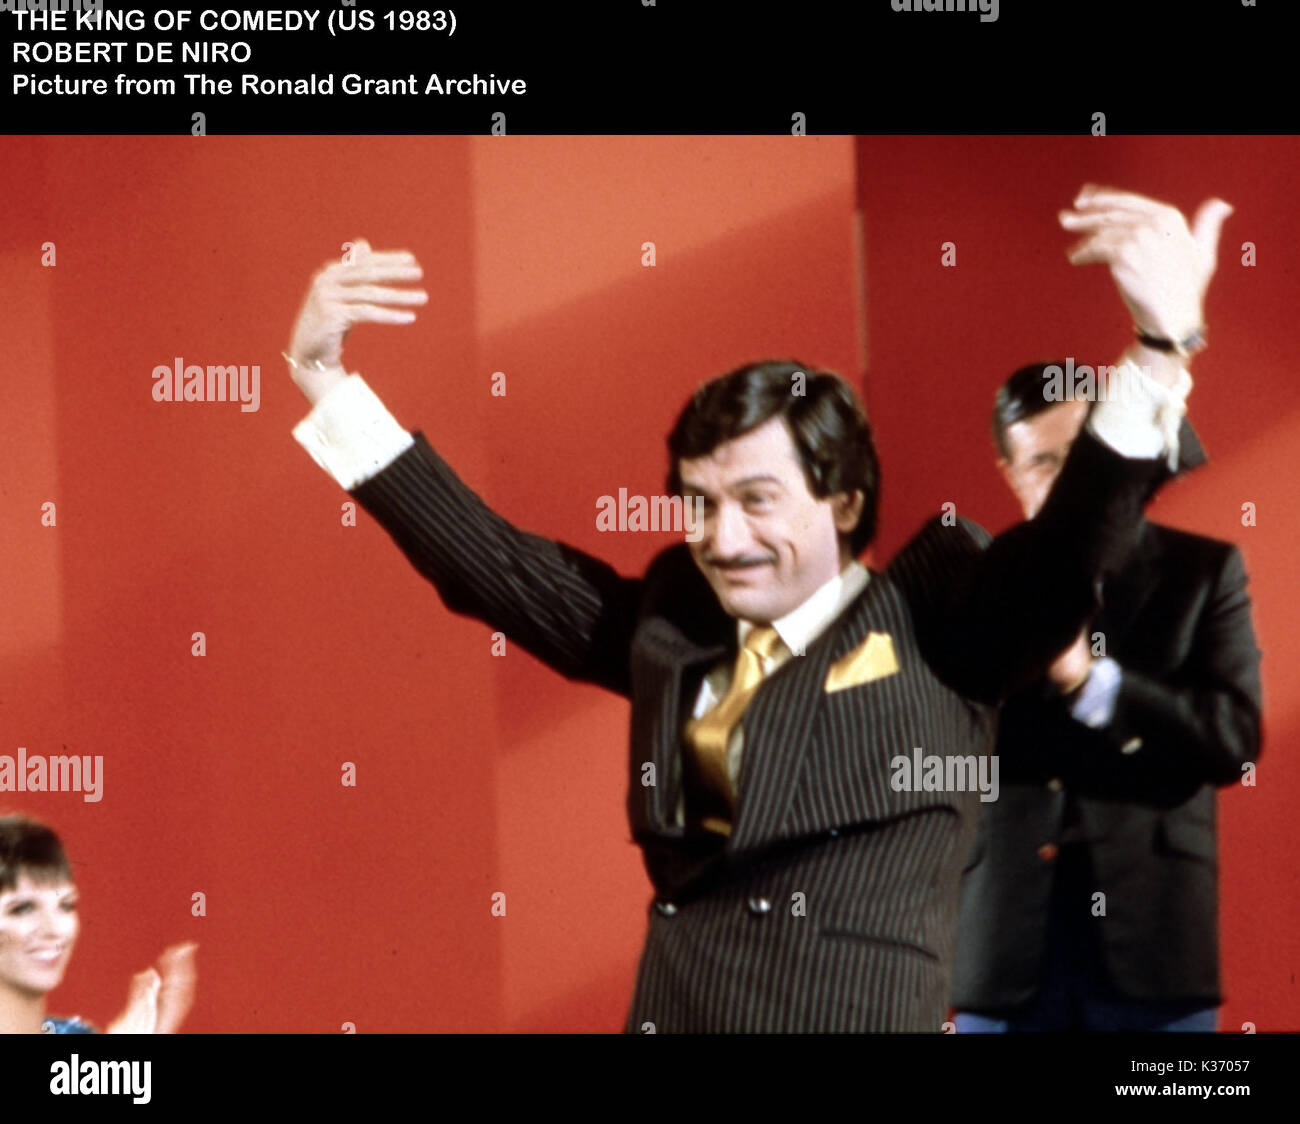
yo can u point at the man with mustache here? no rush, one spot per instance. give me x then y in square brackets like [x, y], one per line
[772, 678]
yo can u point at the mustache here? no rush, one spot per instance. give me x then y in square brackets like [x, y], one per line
[741, 563]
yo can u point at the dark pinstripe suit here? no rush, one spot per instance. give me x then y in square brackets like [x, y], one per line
[731, 945]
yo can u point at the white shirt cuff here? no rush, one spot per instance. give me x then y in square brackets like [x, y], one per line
[351, 434]
[1095, 704]
[1139, 417]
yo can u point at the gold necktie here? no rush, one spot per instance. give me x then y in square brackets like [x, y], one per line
[708, 737]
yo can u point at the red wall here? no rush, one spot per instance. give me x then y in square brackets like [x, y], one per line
[941, 340]
[479, 774]
[476, 774]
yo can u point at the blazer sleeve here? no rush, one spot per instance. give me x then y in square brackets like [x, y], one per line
[570, 610]
[990, 621]
[1170, 735]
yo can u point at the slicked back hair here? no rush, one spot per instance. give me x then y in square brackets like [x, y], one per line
[1022, 396]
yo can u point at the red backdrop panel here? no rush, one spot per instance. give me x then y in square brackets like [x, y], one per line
[941, 340]
[479, 774]
[476, 774]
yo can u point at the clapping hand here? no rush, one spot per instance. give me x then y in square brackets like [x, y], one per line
[160, 997]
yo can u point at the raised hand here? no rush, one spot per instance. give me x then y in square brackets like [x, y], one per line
[1160, 264]
[179, 981]
[160, 997]
[355, 290]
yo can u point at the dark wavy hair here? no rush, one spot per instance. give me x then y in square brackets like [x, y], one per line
[31, 848]
[826, 423]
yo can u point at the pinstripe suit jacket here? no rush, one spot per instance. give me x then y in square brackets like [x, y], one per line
[832, 904]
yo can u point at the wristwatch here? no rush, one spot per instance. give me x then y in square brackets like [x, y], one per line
[1184, 348]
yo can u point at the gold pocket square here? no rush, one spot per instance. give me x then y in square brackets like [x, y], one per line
[872, 659]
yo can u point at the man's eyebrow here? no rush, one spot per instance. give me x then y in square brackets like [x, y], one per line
[748, 481]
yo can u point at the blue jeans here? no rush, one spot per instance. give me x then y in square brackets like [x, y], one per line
[1076, 993]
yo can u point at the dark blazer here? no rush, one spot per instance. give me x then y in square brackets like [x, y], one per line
[831, 905]
[1177, 620]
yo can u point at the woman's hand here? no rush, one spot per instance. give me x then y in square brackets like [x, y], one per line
[160, 997]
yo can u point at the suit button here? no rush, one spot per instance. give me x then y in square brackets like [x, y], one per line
[1055, 784]
[759, 906]
[666, 909]
[834, 833]
[1048, 851]
[1131, 746]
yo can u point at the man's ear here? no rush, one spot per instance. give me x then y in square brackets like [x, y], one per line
[1004, 467]
[847, 509]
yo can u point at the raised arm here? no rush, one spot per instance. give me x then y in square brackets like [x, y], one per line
[994, 621]
[991, 615]
[572, 611]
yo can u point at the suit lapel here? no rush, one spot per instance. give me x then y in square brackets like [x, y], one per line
[689, 666]
[780, 719]
[678, 645]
